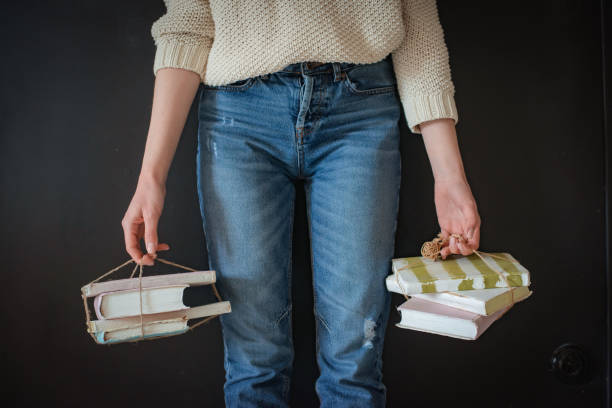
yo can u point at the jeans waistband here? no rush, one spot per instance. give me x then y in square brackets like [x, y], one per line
[316, 67]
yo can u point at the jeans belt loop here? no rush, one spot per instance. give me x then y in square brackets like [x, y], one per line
[337, 72]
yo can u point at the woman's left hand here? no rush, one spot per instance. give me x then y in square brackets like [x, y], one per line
[457, 214]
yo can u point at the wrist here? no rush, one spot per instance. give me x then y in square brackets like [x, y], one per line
[440, 139]
[152, 176]
[450, 177]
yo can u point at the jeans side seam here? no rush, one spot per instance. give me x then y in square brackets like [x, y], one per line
[199, 184]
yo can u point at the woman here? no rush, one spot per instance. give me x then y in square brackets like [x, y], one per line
[311, 91]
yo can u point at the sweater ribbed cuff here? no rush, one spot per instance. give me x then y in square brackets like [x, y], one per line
[175, 54]
[421, 108]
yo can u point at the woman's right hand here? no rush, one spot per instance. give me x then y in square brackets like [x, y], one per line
[141, 220]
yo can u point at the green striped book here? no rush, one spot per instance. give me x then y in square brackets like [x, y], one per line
[418, 274]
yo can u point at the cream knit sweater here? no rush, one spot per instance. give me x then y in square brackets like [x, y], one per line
[228, 40]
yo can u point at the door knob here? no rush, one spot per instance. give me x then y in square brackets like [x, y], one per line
[570, 364]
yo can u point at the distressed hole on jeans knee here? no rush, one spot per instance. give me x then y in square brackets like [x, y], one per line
[369, 331]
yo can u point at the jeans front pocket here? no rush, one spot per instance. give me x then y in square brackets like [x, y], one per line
[240, 85]
[369, 79]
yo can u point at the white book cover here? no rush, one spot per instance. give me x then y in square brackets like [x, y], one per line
[481, 301]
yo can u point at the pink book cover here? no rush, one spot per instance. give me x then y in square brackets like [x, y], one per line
[482, 323]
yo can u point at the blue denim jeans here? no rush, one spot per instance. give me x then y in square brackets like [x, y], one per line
[336, 127]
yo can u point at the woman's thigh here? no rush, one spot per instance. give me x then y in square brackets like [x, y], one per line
[246, 191]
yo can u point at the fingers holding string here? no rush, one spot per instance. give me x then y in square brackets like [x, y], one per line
[150, 259]
[463, 245]
[474, 238]
[132, 233]
[446, 250]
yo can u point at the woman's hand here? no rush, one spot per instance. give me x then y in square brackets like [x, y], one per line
[457, 214]
[141, 219]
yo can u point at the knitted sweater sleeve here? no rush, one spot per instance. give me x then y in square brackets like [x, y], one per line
[421, 66]
[183, 36]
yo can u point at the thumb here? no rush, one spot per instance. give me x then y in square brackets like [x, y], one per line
[150, 235]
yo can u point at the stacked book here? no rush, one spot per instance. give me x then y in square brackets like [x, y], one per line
[128, 310]
[460, 296]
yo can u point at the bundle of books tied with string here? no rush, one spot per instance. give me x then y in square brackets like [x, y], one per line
[460, 296]
[149, 307]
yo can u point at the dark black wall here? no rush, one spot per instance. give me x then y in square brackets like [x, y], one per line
[76, 85]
